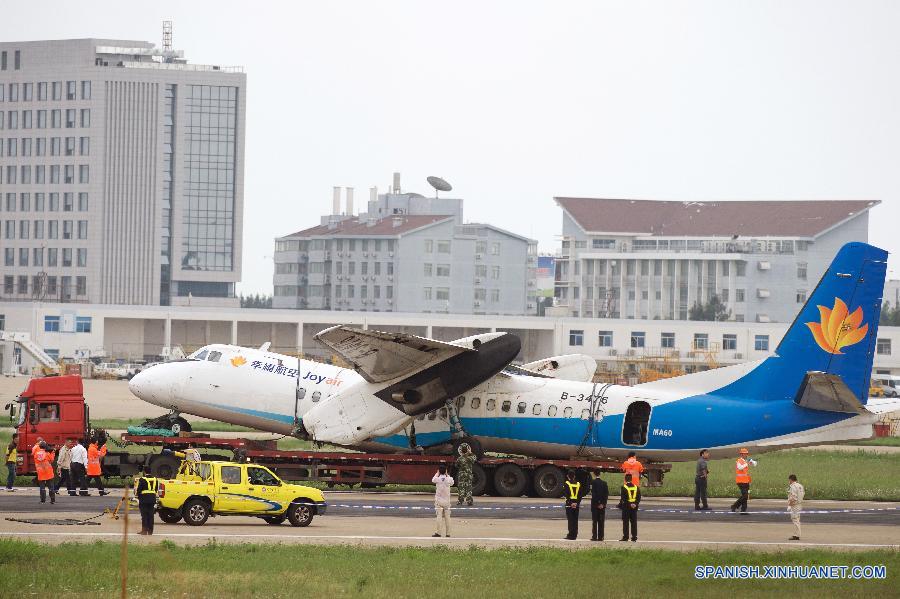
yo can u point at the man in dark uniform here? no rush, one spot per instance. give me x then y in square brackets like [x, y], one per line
[145, 490]
[599, 496]
[628, 503]
[700, 481]
[573, 491]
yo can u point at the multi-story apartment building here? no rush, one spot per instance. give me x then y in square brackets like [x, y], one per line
[121, 174]
[646, 259]
[407, 253]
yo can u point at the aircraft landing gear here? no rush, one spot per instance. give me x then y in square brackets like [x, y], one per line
[172, 421]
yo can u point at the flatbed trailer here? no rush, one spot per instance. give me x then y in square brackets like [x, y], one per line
[54, 409]
[507, 476]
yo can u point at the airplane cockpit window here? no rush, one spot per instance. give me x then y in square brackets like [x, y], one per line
[520, 409]
[551, 411]
[536, 410]
[214, 356]
[506, 406]
[316, 396]
[491, 405]
[567, 413]
[200, 355]
[476, 403]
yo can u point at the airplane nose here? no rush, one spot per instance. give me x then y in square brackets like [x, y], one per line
[138, 384]
[149, 386]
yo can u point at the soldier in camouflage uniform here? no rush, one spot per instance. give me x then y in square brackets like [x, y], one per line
[464, 464]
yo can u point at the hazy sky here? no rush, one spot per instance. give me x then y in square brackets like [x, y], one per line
[517, 102]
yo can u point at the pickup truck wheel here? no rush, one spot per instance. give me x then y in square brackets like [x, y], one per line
[169, 516]
[195, 512]
[275, 520]
[300, 514]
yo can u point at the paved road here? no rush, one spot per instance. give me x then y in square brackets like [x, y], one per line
[411, 505]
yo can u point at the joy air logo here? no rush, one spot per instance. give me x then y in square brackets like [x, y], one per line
[839, 328]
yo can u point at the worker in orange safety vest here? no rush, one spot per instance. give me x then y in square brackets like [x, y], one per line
[94, 469]
[43, 463]
[633, 467]
[742, 478]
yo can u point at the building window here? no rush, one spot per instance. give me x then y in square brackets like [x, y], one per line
[82, 202]
[429, 246]
[723, 295]
[443, 270]
[82, 257]
[801, 296]
[51, 324]
[883, 347]
[761, 342]
[741, 268]
[739, 295]
[495, 295]
[495, 249]
[576, 337]
[701, 341]
[8, 285]
[443, 247]
[42, 91]
[729, 341]
[638, 339]
[85, 90]
[82, 323]
[426, 293]
[604, 338]
[85, 117]
[18, 59]
[668, 340]
[801, 271]
[70, 90]
[442, 293]
[428, 269]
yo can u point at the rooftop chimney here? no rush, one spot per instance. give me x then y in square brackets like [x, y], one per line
[373, 194]
[396, 188]
[349, 201]
[336, 201]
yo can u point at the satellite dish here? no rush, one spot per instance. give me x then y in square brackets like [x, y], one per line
[439, 185]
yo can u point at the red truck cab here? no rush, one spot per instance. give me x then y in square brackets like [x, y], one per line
[52, 408]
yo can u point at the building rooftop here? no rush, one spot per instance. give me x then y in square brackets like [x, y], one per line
[387, 226]
[775, 218]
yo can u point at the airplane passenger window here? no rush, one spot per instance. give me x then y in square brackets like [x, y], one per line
[506, 406]
[316, 396]
[551, 411]
[585, 414]
[536, 410]
[460, 402]
[301, 393]
[443, 413]
[476, 403]
[567, 413]
[520, 409]
[201, 355]
[421, 417]
[432, 416]
[214, 356]
[491, 405]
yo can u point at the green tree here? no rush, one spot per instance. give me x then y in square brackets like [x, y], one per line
[715, 309]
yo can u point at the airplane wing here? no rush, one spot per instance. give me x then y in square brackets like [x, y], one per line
[883, 405]
[380, 357]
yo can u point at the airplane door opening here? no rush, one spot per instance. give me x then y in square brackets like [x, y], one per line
[636, 424]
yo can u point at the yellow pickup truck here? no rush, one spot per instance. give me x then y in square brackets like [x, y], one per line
[202, 489]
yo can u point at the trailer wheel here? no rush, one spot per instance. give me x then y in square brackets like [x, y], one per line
[510, 480]
[169, 516]
[195, 511]
[300, 514]
[180, 425]
[165, 467]
[480, 481]
[548, 481]
[275, 520]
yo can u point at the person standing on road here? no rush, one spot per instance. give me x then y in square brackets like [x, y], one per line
[94, 468]
[599, 497]
[700, 481]
[78, 469]
[742, 478]
[464, 466]
[43, 463]
[63, 466]
[12, 454]
[795, 503]
[443, 482]
[145, 490]
[629, 500]
[633, 467]
[573, 491]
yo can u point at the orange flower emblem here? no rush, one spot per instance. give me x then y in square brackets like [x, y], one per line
[238, 361]
[839, 328]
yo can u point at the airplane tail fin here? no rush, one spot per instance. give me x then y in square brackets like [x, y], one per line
[834, 333]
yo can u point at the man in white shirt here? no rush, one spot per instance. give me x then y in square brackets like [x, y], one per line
[443, 482]
[63, 465]
[795, 503]
[78, 469]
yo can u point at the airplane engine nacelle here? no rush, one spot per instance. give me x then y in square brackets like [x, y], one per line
[352, 417]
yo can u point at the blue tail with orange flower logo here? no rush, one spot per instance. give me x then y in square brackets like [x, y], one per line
[831, 344]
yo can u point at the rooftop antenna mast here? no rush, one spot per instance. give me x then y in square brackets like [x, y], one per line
[167, 36]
